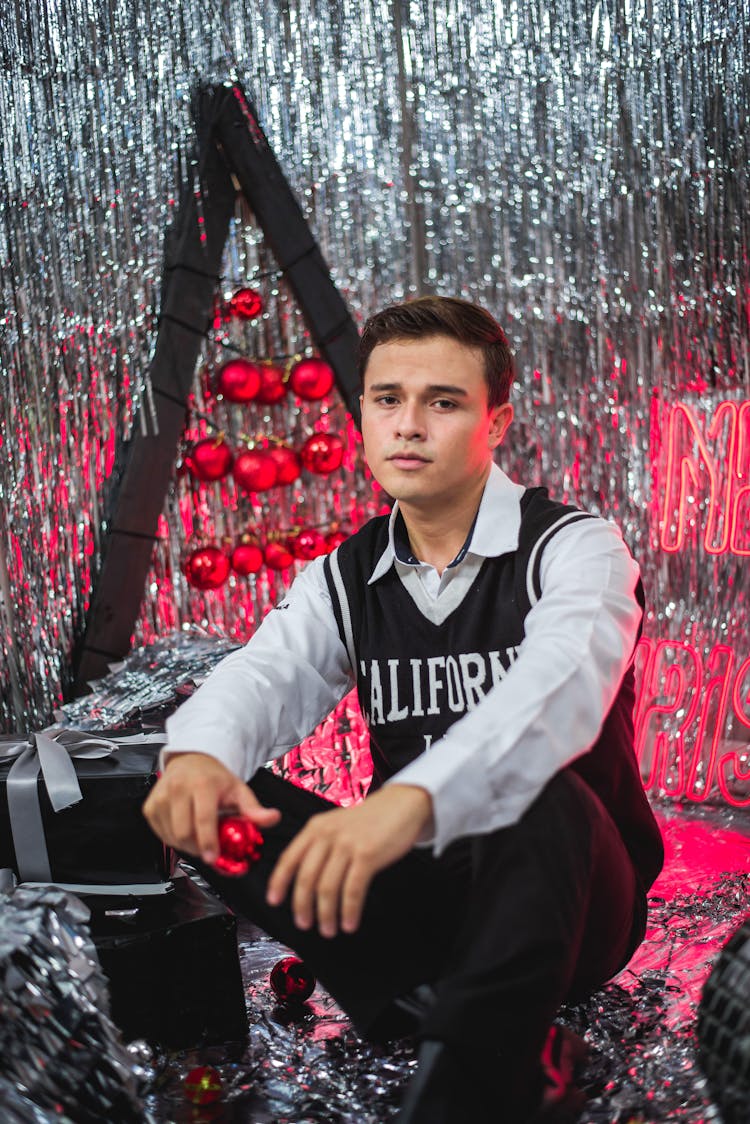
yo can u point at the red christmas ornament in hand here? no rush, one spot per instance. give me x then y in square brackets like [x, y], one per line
[210, 459]
[311, 379]
[207, 567]
[239, 845]
[273, 387]
[308, 544]
[247, 557]
[292, 981]
[239, 380]
[246, 304]
[254, 470]
[288, 464]
[202, 1085]
[278, 556]
[322, 453]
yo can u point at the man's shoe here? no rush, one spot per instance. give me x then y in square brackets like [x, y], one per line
[442, 1091]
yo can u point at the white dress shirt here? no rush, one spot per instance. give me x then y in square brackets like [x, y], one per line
[487, 769]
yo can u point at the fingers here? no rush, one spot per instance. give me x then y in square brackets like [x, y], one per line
[328, 876]
[183, 806]
[325, 896]
[354, 892]
[286, 867]
[204, 825]
[242, 798]
[306, 883]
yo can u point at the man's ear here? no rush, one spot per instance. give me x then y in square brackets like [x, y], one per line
[500, 419]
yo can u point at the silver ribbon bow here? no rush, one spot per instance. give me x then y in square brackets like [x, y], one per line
[50, 752]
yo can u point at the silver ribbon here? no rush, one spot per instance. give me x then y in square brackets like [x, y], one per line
[51, 752]
[8, 880]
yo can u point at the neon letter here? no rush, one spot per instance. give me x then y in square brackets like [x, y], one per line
[732, 760]
[684, 441]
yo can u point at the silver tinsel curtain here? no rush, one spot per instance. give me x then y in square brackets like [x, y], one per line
[579, 167]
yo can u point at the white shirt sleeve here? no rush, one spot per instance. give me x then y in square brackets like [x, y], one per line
[549, 709]
[266, 697]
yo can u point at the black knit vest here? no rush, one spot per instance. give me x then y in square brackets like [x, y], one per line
[415, 678]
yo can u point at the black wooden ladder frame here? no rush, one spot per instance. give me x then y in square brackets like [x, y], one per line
[233, 154]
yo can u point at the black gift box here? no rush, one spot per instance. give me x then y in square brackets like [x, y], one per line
[173, 966]
[104, 838]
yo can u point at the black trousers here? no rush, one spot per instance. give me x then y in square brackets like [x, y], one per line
[505, 926]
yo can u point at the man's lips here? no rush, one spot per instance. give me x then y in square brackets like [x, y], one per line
[414, 457]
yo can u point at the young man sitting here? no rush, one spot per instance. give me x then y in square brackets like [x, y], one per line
[500, 862]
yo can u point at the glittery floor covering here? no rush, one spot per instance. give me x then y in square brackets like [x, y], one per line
[312, 1066]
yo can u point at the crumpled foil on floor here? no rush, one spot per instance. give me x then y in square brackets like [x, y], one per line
[62, 1056]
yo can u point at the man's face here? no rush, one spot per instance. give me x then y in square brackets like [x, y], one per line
[427, 430]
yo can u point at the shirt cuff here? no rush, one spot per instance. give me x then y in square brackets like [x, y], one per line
[231, 753]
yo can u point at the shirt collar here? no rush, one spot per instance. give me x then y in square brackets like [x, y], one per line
[495, 529]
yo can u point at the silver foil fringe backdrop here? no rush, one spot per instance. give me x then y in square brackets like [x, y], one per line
[581, 168]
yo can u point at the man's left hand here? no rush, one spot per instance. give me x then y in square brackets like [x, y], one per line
[332, 861]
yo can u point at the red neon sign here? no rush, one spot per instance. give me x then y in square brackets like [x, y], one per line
[681, 716]
[713, 460]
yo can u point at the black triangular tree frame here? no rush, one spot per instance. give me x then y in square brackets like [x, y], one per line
[233, 156]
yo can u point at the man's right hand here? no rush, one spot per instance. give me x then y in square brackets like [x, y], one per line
[183, 806]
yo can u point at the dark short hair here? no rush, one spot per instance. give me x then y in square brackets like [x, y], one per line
[458, 319]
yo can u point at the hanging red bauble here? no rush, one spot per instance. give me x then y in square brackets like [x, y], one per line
[291, 980]
[334, 539]
[202, 1085]
[308, 544]
[246, 304]
[240, 844]
[273, 386]
[238, 380]
[206, 567]
[288, 464]
[210, 459]
[277, 554]
[247, 556]
[311, 379]
[254, 470]
[322, 453]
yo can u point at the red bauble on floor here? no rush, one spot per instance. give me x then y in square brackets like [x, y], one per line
[292, 981]
[202, 1085]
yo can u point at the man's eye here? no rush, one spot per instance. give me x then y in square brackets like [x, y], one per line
[445, 403]
[386, 399]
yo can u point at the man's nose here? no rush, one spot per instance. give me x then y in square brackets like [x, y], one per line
[410, 422]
